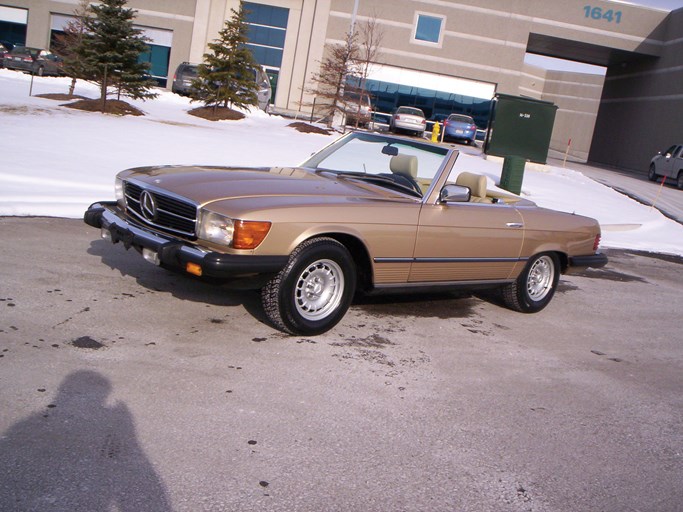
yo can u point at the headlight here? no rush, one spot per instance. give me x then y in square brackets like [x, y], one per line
[216, 228]
[118, 192]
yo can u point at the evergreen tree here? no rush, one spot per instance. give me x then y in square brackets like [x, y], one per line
[226, 77]
[111, 51]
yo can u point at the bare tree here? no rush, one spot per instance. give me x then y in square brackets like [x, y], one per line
[371, 36]
[330, 83]
[66, 44]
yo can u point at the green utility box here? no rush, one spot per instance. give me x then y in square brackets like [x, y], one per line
[513, 174]
[519, 131]
[520, 127]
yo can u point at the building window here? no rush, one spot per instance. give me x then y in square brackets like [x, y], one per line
[428, 28]
[267, 31]
[13, 25]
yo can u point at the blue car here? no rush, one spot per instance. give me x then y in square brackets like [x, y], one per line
[459, 127]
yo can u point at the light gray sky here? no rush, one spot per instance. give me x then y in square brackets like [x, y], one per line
[565, 65]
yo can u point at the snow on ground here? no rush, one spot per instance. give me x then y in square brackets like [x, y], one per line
[55, 161]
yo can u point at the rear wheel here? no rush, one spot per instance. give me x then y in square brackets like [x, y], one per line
[41, 71]
[652, 173]
[679, 181]
[535, 286]
[314, 291]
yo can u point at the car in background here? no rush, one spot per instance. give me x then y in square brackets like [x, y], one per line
[36, 61]
[357, 108]
[5, 48]
[668, 164]
[408, 119]
[186, 73]
[459, 127]
[370, 212]
[183, 77]
[379, 121]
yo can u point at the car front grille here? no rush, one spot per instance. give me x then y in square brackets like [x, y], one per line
[163, 211]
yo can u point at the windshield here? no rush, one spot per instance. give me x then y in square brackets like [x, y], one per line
[378, 155]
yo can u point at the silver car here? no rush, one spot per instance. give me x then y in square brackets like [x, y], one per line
[409, 119]
[668, 164]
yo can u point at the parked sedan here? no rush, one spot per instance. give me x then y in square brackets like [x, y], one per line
[34, 60]
[409, 119]
[5, 48]
[458, 127]
[371, 213]
[669, 164]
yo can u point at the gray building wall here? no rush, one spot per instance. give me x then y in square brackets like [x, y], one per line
[641, 111]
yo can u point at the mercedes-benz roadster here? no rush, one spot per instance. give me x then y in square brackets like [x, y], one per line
[368, 213]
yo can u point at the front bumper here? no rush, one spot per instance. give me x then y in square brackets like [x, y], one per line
[173, 252]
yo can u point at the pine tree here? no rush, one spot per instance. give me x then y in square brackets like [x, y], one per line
[111, 51]
[226, 77]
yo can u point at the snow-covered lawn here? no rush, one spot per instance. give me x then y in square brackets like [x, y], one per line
[55, 161]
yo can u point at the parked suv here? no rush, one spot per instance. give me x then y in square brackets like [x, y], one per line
[34, 60]
[187, 73]
[669, 164]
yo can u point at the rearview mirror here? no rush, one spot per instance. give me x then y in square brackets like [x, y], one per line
[390, 150]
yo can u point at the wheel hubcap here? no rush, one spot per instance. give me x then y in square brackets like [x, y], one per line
[319, 290]
[540, 280]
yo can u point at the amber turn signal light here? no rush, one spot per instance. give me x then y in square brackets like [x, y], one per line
[249, 234]
[194, 269]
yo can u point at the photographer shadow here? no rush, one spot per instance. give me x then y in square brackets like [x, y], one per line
[81, 454]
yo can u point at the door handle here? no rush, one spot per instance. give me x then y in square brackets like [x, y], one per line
[515, 225]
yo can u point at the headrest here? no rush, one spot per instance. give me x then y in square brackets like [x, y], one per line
[476, 183]
[404, 164]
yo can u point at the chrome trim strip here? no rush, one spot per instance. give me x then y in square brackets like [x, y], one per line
[444, 284]
[448, 260]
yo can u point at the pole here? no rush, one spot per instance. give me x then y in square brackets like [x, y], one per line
[658, 193]
[569, 144]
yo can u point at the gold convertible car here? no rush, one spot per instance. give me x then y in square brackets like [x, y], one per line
[369, 213]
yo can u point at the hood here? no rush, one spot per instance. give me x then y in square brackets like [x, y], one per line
[206, 184]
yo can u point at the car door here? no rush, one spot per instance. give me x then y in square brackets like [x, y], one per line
[467, 242]
[665, 163]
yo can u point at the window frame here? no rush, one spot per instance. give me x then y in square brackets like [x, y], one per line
[442, 29]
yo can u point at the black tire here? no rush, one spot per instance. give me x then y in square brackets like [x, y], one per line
[313, 292]
[679, 180]
[535, 286]
[41, 71]
[652, 173]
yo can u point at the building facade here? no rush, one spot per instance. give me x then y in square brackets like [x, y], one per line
[442, 56]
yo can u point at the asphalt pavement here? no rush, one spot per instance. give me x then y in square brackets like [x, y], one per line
[126, 387]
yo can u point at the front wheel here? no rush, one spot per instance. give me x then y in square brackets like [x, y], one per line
[314, 290]
[652, 173]
[535, 286]
[679, 181]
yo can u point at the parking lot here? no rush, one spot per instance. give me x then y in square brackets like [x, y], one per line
[126, 387]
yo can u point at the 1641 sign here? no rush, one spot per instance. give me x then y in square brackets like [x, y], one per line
[598, 13]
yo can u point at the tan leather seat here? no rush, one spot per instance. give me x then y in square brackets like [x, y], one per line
[404, 164]
[477, 184]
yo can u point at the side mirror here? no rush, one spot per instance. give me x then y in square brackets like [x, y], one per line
[455, 194]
